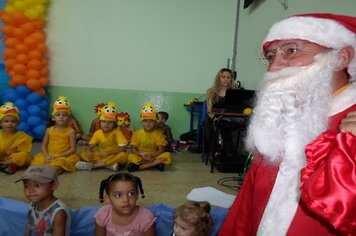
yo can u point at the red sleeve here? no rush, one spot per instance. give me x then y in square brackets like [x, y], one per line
[247, 210]
[328, 182]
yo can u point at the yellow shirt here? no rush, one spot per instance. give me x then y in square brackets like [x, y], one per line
[108, 141]
[17, 142]
[147, 142]
[58, 140]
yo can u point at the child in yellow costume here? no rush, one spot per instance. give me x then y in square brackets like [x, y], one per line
[15, 146]
[147, 144]
[58, 148]
[110, 141]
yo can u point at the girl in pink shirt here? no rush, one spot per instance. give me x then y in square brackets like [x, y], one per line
[123, 216]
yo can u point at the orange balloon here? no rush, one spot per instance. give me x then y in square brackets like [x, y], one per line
[33, 74]
[19, 18]
[30, 42]
[19, 79]
[33, 84]
[34, 54]
[41, 91]
[20, 69]
[21, 48]
[22, 58]
[28, 27]
[12, 83]
[34, 64]
[11, 42]
[42, 47]
[8, 30]
[9, 63]
[44, 62]
[9, 53]
[38, 24]
[39, 36]
[44, 82]
[6, 18]
[12, 73]
[20, 33]
[45, 72]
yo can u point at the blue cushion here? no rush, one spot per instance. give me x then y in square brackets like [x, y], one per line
[13, 218]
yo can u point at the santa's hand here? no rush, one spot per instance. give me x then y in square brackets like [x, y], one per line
[348, 124]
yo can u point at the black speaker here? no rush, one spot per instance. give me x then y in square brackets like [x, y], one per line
[230, 164]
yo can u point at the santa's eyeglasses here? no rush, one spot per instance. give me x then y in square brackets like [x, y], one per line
[287, 50]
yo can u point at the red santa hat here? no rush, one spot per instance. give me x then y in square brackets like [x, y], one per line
[328, 30]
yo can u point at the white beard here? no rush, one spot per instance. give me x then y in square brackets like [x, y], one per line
[292, 110]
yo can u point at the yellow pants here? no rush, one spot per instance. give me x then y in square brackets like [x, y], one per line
[66, 163]
[120, 158]
[167, 156]
[19, 158]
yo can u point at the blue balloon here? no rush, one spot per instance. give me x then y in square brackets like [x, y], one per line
[23, 126]
[34, 121]
[34, 110]
[22, 91]
[22, 104]
[43, 104]
[39, 131]
[44, 115]
[33, 98]
[10, 95]
[23, 115]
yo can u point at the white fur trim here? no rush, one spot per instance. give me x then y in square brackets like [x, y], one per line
[321, 31]
[344, 100]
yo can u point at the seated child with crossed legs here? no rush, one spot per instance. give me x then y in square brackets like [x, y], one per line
[147, 144]
[15, 146]
[58, 148]
[192, 219]
[110, 141]
[47, 215]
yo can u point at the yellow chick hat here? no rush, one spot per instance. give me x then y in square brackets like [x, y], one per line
[108, 112]
[149, 112]
[61, 104]
[9, 109]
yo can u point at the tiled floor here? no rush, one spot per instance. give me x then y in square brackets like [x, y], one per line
[170, 187]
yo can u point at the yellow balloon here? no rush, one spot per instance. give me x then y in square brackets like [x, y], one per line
[20, 5]
[31, 14]
[30, 3]
[40, 9]
[10, 9]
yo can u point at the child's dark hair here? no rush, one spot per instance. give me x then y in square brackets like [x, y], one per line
[197, 214]
[105, 184]
[164, 115]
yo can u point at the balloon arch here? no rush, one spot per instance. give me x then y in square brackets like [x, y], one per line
[24, 73]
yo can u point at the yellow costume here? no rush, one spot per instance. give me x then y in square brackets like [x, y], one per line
[147, 142]
[107, 142]
[16, 147]
[58, 142]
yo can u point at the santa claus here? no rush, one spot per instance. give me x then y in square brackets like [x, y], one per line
[302, 180]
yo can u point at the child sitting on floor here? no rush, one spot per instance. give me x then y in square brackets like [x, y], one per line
[123, 216]
[58, 148]
[15, 146]
[125, 126]
[47, 215]
[147, 144]
[192, 219]
[161, 125]
[110, 141]
[95, 124]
